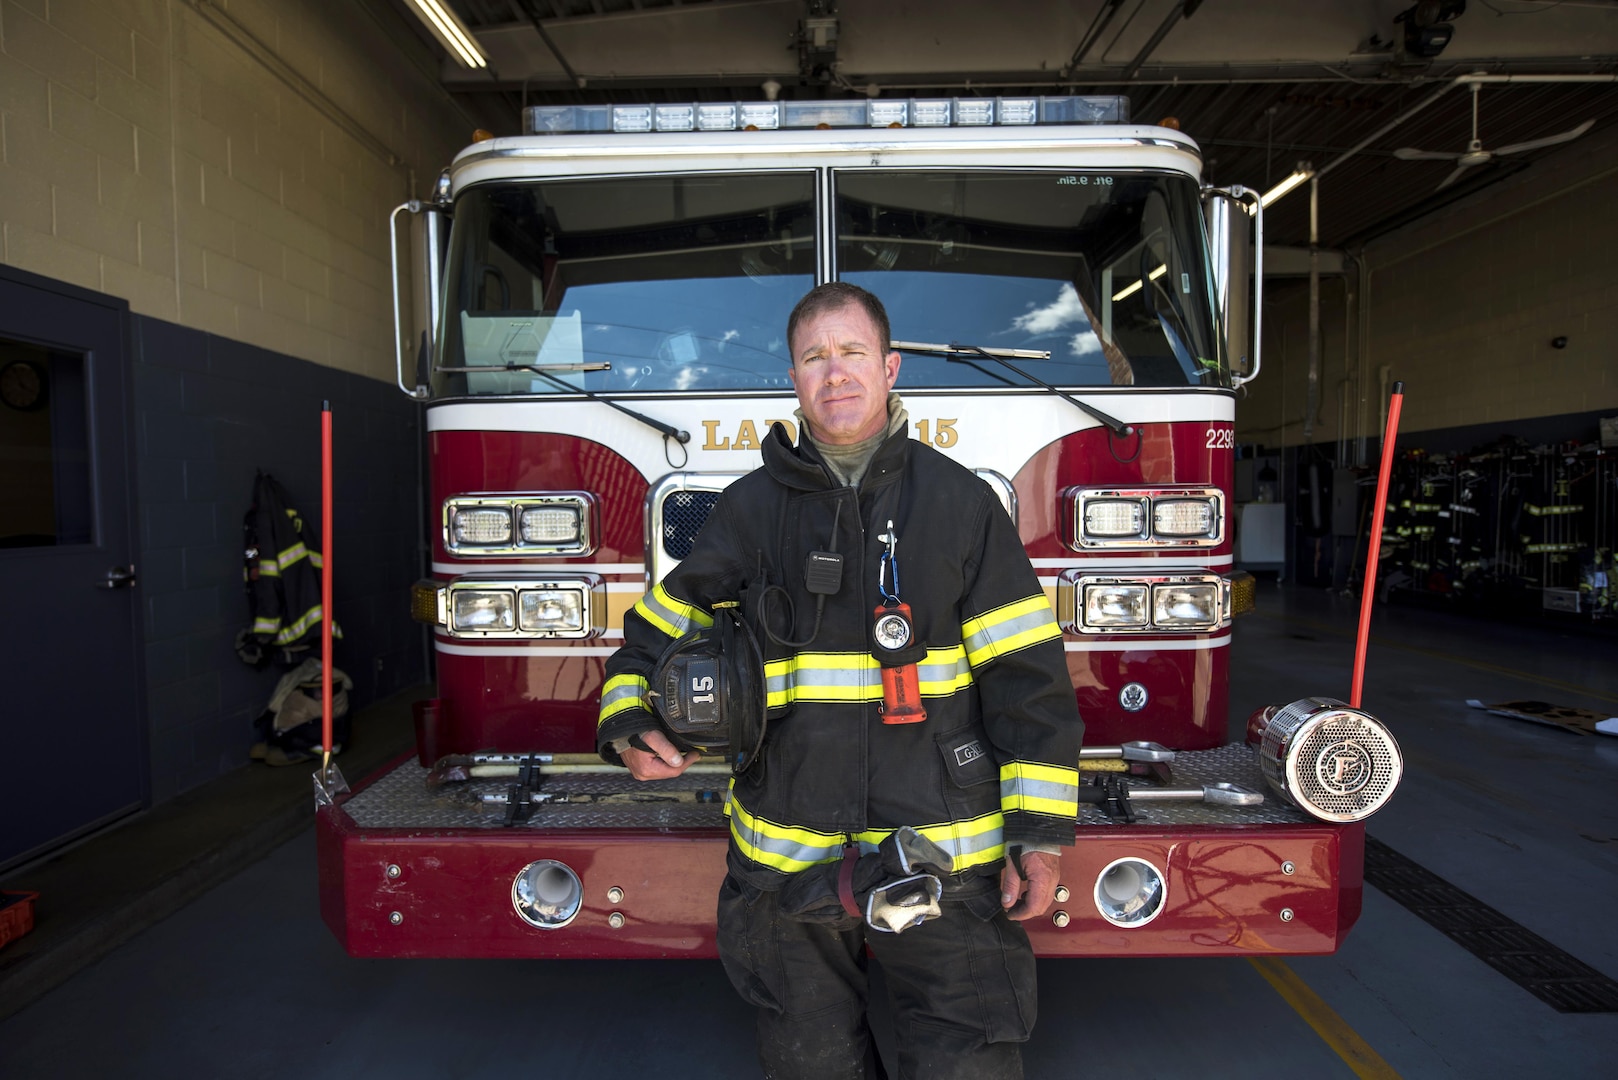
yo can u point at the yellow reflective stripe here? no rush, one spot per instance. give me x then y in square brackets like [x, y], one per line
[970, 843]
[1039, 789]
[620, 694]
[1009, 628]
[266, 626]
[855, 677]
[268, 568]
[781, 847]
[291, 555]
[297, 629]
[674, 617]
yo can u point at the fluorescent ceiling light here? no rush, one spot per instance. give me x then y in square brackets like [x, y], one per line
[1300, 174]
[1132, 289]
[451, 32]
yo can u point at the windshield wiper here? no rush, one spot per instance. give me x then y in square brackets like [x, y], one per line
[546, 371]
[958, 354]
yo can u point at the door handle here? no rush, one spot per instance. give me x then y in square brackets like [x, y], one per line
[119, 577]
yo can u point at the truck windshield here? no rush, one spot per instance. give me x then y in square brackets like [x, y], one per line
[1107, 271]
[684, 283]
[677, 282]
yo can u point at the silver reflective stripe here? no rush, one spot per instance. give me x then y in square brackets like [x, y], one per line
[1021, 787]
[1003, 632]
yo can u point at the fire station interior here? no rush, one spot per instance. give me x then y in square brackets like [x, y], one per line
[196, 197]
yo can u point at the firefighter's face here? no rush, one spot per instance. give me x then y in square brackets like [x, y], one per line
[842, 373]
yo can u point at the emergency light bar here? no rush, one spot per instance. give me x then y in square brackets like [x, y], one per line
[774, 115]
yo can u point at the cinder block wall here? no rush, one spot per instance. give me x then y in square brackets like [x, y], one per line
[222, 164]
[1463, 308]
[227, 167]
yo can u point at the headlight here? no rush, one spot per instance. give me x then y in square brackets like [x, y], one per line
[479, 610]
[515, 608]
[547, 523]
[1115, 605]
[553, 611]
[1143, 517]
[1105, 603]
[1187, 606]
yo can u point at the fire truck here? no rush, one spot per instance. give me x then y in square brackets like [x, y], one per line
[599, 340]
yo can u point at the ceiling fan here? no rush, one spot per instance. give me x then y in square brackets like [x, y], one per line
[1475, 154]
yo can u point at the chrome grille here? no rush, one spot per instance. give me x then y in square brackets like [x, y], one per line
[684, 513]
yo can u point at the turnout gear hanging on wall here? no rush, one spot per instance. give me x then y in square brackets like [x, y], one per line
[281, 570]
[994, 761]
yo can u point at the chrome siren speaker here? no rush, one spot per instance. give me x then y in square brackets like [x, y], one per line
[1330, 760]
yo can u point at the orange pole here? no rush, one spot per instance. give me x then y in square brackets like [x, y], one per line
[1368, 590]
[325, 585]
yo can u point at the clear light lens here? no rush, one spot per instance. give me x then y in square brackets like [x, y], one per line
[970, 112]
[491, 526]
[930, 112]
[676, 117]
[631, 118]
[1115, 605]
[550, 525]
[813, 114]
[1185, 605]
[477, 610]
[1019, 110]
[1114, 517]
[1182, 517]
[716, 117]
[552, 611]
[888, 113]
[764, 115]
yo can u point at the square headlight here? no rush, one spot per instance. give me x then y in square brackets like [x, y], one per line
[1182, 606]
[1115, 605]
[482, 610]
[552, 611]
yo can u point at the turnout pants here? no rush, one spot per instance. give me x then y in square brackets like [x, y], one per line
[961, 988]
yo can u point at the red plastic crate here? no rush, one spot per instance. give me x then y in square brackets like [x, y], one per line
[16, 915]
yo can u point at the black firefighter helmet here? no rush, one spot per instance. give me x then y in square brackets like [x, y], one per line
[708, 690]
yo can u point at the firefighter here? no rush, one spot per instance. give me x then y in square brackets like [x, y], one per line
[957, 720]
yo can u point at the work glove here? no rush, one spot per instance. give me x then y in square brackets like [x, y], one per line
[892, 889]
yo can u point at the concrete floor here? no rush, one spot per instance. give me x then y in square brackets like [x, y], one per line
[245, 980]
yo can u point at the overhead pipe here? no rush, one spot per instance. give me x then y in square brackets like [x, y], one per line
[1098, 26]
[1183, 10]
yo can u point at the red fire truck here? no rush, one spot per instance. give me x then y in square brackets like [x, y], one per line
[602, 349]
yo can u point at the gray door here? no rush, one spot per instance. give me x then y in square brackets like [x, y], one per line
[72, 727]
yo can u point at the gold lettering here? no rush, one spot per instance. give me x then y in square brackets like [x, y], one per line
[712, 428]
[747, 436]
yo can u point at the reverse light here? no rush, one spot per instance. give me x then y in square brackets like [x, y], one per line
[1130, 892]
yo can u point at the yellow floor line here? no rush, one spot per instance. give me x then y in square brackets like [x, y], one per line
[1436, 654]
[1344, 1040]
